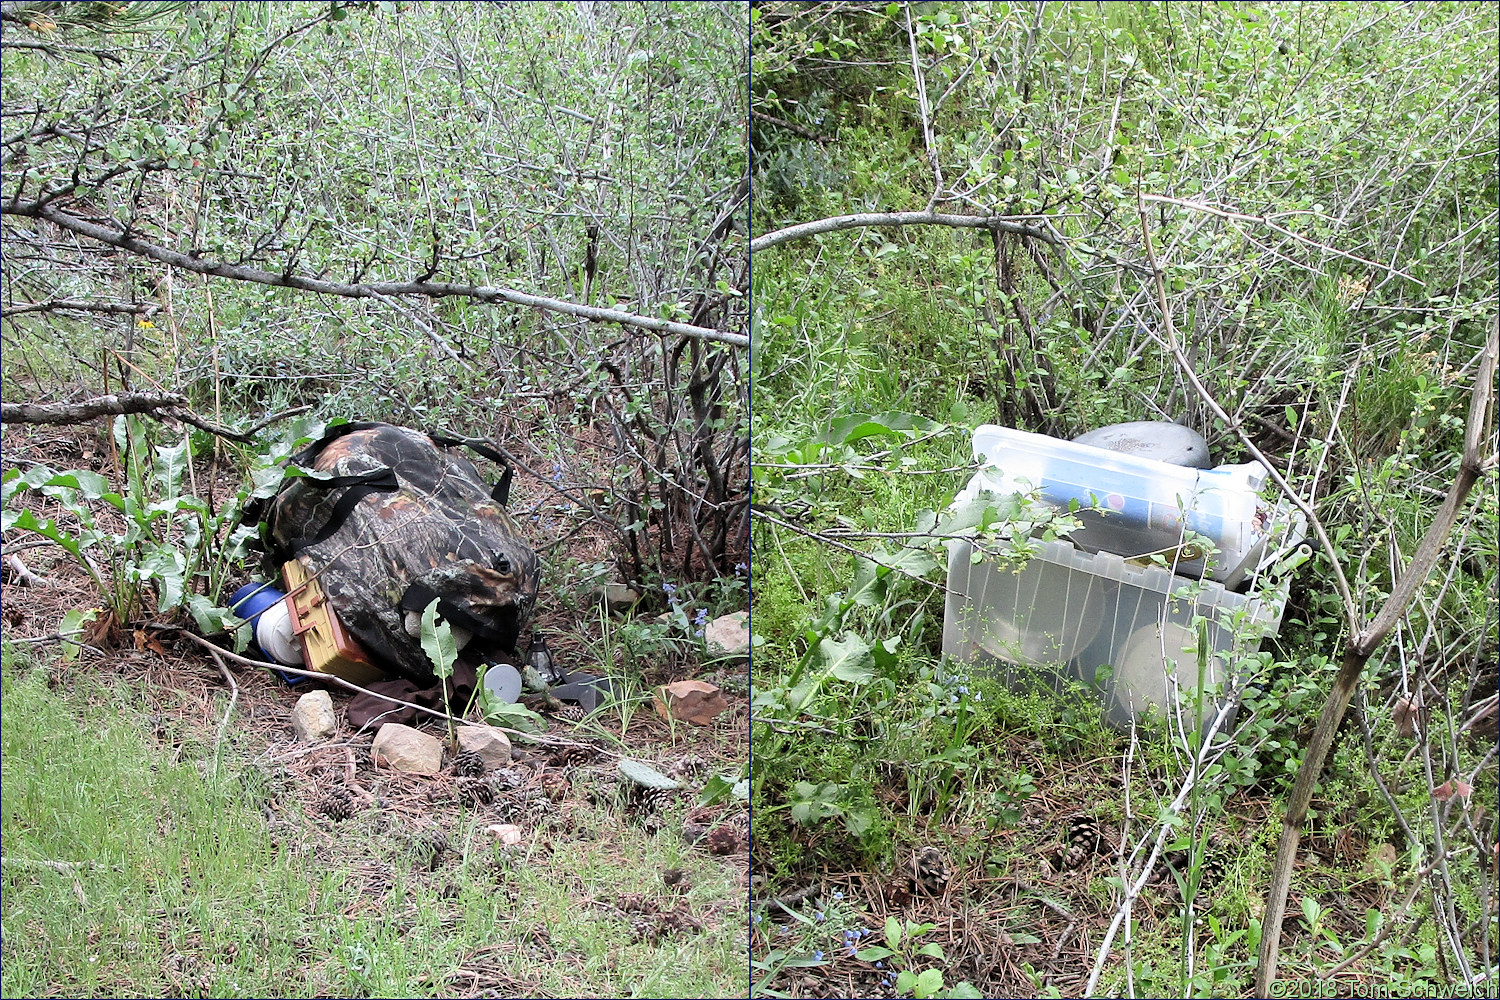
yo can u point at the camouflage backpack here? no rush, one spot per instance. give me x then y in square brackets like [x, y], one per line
[388, 522]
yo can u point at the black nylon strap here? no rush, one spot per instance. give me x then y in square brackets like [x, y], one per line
[419, 595]
[360, 486]
[501, 493]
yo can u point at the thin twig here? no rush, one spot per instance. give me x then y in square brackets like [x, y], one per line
[1198, 206]
[229, 711]
[831, 543]
[867, 219]
[1351, 609]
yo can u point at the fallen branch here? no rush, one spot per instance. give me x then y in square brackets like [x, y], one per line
[170, 405]
[126, 240]
[23, 577]
[82, 305]
[994, 223]
[89, 409]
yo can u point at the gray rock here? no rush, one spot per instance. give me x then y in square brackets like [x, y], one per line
[313, 719]
[1155, 439]
[617, 596]
[407, 749]
[729, 635]
[488, 742]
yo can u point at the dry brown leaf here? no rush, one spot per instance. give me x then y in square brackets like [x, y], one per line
[1409, 714]
[1453, 787]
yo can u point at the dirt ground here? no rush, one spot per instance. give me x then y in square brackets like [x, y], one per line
[396, 817]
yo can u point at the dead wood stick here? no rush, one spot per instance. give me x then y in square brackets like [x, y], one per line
[89, 409]
[117, 235]
[929, 218]
[23, 576]
[169, 405]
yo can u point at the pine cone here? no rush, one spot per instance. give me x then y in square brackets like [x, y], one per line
[687, 767]
[930, 872]
[1084, 834]
[469, 764]
[655, 799]
[723, 840]
[572, 756]
[569, 713]
[474, 792]
[337, 803]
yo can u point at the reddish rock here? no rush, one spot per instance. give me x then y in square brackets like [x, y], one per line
[695, 702]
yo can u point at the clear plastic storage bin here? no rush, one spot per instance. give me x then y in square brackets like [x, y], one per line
[1059, 612]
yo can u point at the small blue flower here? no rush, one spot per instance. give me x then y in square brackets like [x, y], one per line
[977, 697]
[669, 589]
[756, 918]
[699, 633]
[963, 689]
[740, 567]
[953, 699]
[701, 618]
[820, 914]
[838, 895]
[879, 965]
[817, 956]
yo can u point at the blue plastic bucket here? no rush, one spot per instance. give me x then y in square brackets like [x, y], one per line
[250, 602]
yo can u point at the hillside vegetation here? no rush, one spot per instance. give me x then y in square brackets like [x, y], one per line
[1274, 223]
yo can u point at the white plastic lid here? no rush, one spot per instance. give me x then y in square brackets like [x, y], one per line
[502, 681]
[274, 635]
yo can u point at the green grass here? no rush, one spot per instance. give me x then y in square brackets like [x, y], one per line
[174, 885]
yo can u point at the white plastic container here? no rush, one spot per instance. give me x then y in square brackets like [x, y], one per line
[1047, 611]
[1136, 507]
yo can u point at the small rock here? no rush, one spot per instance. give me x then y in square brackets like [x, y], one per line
[696, 702]
[728, 636]
[1383, 855]
[617, 596]
[488, 742]
[506, 834]
[313, 720]
[407, 749]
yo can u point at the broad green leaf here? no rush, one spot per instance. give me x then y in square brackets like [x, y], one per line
[892, 932]
[171, 463]
[437, 642]
[847, 659]
[511, 715]
[72, 626]
[90, 484]
[869, 586]
[858, 426]
[884, 651]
